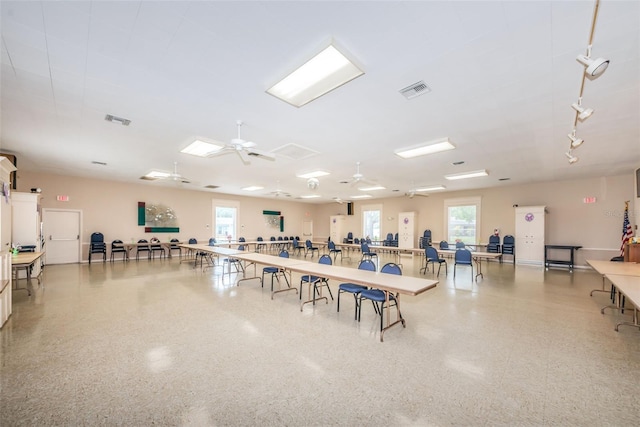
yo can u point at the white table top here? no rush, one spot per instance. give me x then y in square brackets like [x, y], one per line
[388, 282]
[213, 249]
[617, 268]
[628, 285]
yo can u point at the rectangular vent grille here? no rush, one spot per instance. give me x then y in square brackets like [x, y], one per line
[416, 89]
[112, 118]
[294, 151]
[212, 186]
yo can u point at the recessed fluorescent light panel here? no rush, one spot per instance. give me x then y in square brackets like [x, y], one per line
[321, 74]
[373, 188]
[253, 188]
[361, 196]
[202, 148]
[310, 196]
[465, 175]
[432, 188]
[435, 146]
[314, 174]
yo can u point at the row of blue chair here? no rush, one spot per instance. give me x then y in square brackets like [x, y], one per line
[359, 292]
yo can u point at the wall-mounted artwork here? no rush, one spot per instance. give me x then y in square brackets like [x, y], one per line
[157, 218]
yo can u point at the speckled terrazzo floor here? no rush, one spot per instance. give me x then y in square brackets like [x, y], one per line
[159, 343]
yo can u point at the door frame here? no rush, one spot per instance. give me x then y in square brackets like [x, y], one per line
[80, 225]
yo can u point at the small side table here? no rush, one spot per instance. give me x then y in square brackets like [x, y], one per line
[569, 263]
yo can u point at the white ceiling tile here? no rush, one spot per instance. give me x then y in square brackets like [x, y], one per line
[67, 56]
[120, 14]
[67, 23]
[108, 40]
[23, 12]
[27, 58]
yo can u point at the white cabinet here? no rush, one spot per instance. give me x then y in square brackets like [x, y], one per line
[336, 228]
[407, 230]
[530, 234]
[6, 167]
[25, 221]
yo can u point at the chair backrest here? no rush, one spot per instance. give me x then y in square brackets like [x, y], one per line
[356, 240]
[431, 253]
[308, 243]
[241, 248]
[259, 239]
[444, 244]
[295, 243]
[368, 241]
[283, 254]
[212, 241]
[325, 259]
[174, 243]
[349, 235]
[142, 241]
[279, 238]
[297, 237]
[193, 241]
[331, 245]
[364, 248]
[116, 242]
[463, 256]
[508, 240]
[391, 268]
[241, 239]
[367, 264]
[155, 240]
[389, 237]
[494, 239]
[286, 238]
[459, 245]
[97, 238]
[272, 239]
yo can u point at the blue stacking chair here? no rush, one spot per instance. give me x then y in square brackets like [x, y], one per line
[275, 271]
[494, 244]
[508, 247]
[444, 245]
[460, 245]
[259, 246]
[98, 246]
[143, 246]
[349, 237]
[174, 246]
[296, 246]
[317, 281]
[463, 257]
[117, 248]
[378, 297]
[352, 288]
[432, 257]
[310, 248]
[235, 262]
[367, 253]
[333, 250]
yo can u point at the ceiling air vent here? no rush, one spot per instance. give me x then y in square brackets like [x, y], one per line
[294, 152]
[112, 118]
[212, 186]
[415, 89]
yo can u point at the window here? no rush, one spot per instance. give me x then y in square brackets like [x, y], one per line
[371, 215]
[462, 217]
[226, 221]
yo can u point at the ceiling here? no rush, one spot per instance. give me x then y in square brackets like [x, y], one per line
[502, 77]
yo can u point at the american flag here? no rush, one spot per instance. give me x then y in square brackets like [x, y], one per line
[626, 229]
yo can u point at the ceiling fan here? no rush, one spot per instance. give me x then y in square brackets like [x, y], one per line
[244, 149]
[357, 177]
[279, 193]
[411, 194]
[166, 176]
[338, 200]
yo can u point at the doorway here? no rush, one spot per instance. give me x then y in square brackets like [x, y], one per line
[62, 235]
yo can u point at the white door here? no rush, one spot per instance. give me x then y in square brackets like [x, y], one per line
[62, 236]
[307, 230]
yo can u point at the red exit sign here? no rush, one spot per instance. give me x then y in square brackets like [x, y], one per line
[62, 198]
[589, 200]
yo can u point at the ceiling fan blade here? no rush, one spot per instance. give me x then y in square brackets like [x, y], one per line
[260, 153]
[244, 157]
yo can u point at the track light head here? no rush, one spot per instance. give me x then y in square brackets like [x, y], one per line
[575, 142]
[583, 113]
[571, 157]
[594, 67]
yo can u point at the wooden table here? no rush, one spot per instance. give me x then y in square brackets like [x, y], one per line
[25, 260]
[629, 287]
